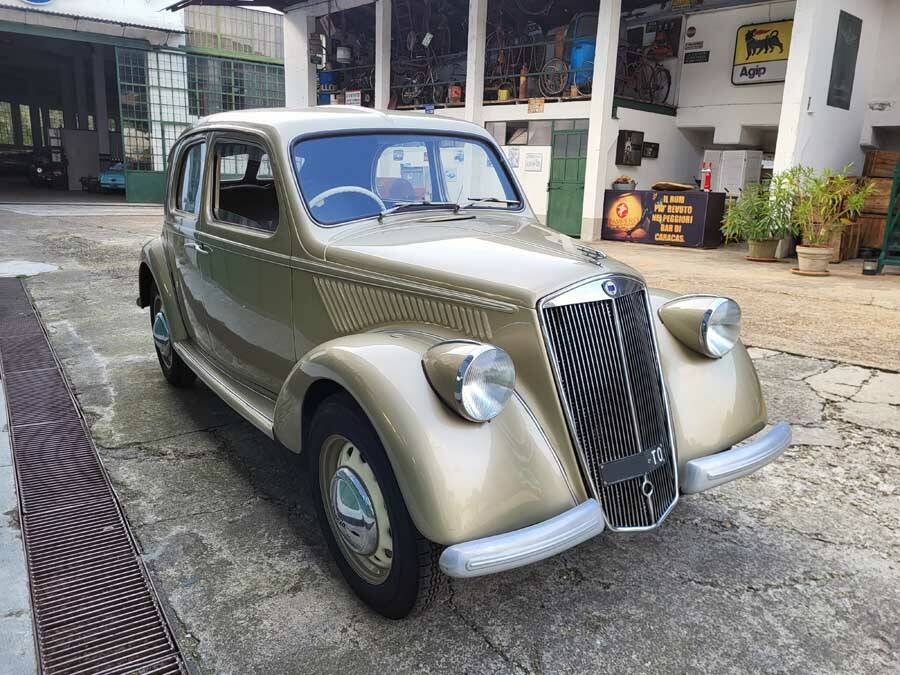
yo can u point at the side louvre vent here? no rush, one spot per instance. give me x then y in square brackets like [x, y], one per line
[354, 307]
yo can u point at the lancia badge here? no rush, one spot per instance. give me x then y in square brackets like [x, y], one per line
[610, 288]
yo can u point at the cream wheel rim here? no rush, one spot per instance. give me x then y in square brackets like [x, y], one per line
[355, 507]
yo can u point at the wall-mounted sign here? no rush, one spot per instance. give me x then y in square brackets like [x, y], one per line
[655, 217]
[696, 44]
[629, 148]
[353, 97]
[843, 63]
[535, 105]
[650, 150]
[512, 156]
[696, 57]
[534, 161]
[761, 52]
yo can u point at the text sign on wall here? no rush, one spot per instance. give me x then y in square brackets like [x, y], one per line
[651, 217]
[761, 52]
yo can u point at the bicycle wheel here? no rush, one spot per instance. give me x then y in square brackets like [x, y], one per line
[534, 7]
[660, 85]
[584, 78]
[554, 77]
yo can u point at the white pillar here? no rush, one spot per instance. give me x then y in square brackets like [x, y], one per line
[382, 54]
[299, 73]
[601, 127]
[101, 121]
[475, 56]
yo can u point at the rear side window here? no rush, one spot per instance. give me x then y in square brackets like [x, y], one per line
[245, 188]
[188, 196]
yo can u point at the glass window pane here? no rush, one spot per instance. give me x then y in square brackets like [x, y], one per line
[25, 117]
[188, 196]
[6, 125]
[562, 125]
[581, 124]
[539, 133]
[243, 195]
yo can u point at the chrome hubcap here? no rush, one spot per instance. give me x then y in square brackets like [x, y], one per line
[353, 513]
[356, 509]
[160, 332]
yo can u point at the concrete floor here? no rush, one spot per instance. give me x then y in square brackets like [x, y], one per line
[794, 569]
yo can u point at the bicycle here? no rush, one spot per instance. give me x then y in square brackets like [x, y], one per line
[640, 78]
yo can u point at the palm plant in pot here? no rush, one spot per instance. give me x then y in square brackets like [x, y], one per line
[760, 217]
[823, 203]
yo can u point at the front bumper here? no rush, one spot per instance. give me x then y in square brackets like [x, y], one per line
[708, 472]
[522, 547]
[507, 551]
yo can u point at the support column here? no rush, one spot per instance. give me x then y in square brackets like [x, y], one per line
[81, 97]
[475, 55]
[601, 127]
[101, 119]
[382, 54]
[299, 73]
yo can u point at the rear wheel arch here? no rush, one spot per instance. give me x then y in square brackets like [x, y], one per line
[146, 283]
[318, 392]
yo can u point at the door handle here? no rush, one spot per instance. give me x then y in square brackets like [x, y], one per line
[200, 248]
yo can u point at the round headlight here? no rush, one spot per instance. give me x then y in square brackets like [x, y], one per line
[476, 380]
[721, 327]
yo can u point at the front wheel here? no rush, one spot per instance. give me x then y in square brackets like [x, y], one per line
[363, 517]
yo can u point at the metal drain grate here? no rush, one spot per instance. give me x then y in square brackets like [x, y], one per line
[94, 606]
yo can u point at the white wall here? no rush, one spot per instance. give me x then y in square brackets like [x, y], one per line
[707, 98]
[810, 131]
[533, 182]
[883, 109]
[678, 159]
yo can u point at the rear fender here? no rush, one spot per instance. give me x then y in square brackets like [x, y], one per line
[460, 480]
[155, 269]
[714, 403]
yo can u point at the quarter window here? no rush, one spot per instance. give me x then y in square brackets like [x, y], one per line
[245, 187]
[188, 196]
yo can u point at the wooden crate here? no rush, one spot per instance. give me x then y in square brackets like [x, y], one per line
[878, 201]
[850, 238]
[871, 229]
[880, 163]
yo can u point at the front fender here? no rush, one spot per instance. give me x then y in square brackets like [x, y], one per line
[155, 268]
[714, 403]
[460, 480]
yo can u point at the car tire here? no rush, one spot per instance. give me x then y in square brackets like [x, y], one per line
[174, 369]
[413, 581]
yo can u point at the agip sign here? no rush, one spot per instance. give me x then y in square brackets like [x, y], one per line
[761, 52]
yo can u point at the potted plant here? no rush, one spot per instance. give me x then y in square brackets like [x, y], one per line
[823, 204]
[759, 219]
[624, 183]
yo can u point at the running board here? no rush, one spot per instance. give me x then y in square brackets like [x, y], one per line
[254, 407]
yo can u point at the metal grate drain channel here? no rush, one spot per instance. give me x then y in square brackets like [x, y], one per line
[95, 610]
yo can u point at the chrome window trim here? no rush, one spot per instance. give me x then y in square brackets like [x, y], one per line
[589, 290]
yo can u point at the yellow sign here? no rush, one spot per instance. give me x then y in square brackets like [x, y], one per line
[761, 52]
[535, 105]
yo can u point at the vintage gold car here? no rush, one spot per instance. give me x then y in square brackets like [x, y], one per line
[474, 392]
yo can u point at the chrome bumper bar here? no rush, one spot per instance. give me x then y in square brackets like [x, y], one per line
[522, 547]
[708, 472]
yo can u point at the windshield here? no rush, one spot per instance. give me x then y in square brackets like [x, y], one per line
[354, 176]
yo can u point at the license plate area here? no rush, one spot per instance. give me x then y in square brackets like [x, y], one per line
[630, 467]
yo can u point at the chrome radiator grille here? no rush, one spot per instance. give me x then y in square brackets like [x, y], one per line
[605, 362]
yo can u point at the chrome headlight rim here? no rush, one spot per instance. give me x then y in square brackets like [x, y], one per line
[718, 343]
[455, 386]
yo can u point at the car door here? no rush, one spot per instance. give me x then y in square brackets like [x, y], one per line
[249, 243]
[190, 260]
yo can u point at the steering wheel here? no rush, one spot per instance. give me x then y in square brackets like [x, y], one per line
[320, 198]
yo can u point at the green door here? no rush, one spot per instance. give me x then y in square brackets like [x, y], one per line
[566, 187]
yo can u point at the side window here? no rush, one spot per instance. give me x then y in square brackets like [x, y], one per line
[403, 173]
[245, 188]
[189, 184]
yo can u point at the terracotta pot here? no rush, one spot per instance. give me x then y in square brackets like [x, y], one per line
[814, 258]
[762, 248]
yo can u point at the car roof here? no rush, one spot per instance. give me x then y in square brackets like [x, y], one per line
[292, 122]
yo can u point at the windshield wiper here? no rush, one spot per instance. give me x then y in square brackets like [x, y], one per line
[413, 206]
[493, 200]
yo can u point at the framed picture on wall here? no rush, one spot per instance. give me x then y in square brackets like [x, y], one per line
[629, 148]
[651, 150]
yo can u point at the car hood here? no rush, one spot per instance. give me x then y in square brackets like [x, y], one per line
[503, 258]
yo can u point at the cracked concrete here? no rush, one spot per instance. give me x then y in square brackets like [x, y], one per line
[771, 573]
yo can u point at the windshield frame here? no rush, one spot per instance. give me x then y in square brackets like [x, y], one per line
[488, 143]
